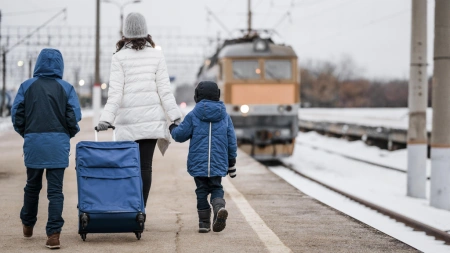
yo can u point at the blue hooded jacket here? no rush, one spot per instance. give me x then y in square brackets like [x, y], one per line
[213, 141]
[46, 113]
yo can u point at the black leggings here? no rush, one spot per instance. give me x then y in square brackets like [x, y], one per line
[146, 150]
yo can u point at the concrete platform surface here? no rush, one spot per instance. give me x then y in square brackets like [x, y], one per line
[266, 214]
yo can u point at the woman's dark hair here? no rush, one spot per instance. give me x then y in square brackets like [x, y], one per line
[137, 43]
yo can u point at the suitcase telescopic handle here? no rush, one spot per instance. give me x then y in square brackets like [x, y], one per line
[114, 132]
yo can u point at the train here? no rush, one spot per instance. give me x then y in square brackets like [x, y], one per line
[260, 86]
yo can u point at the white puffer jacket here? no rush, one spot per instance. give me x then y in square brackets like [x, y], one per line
[140, 96]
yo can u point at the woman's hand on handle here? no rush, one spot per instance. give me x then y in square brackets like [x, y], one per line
[103, 126]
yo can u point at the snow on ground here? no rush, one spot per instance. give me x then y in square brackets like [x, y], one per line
[366, 215]
[387, 117]
[381, 186]
[395, 159]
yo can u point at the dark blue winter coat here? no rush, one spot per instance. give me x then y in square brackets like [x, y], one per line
[213, 140]
[46, 113]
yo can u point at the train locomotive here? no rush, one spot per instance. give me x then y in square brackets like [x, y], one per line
[260, 87]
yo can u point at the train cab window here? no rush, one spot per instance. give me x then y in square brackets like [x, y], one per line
[246, 69]
[278, 69]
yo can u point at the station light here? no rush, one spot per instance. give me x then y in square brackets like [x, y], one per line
[183, 105]
[245, 109]
[20, 63]
[81, 82]
[103, 86]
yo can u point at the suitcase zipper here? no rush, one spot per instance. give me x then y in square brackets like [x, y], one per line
[209, 151]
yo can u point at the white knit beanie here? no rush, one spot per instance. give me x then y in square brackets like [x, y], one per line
[135, 26]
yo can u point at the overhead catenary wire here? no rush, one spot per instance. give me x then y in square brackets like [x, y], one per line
[18, 13]
[224, 27]
[36, 30]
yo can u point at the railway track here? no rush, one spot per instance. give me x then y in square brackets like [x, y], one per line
[416, 225]
[353, 158]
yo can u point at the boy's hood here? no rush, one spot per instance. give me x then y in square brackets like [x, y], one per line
[49, 64]
[210, 111]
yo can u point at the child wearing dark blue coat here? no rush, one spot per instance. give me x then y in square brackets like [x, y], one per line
[212, 152]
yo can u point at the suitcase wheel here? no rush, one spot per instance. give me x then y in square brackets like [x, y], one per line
[138, 235]
[84, 220]
[83, 236]
[140, 218]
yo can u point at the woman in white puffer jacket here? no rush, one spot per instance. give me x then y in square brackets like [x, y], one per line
[140, 99]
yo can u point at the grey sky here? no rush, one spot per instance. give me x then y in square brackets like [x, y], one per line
[376, 33]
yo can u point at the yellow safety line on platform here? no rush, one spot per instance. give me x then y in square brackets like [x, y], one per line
[265, 234]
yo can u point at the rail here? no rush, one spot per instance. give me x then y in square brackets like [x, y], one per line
[438, 234]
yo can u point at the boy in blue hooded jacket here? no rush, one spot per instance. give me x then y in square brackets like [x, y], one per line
[46, 113]
[212, 152]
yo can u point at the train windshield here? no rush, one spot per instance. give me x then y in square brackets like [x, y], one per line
[278, 69]
[246, 69]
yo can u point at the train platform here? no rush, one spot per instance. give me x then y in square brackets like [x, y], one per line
[266, 214]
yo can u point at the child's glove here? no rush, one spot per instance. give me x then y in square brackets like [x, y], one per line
[171, 127]
[232, 172]
[231, 167]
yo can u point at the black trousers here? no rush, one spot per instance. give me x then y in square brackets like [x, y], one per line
[206, 186]
[146, 150]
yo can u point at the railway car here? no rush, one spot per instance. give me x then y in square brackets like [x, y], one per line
[260, 86]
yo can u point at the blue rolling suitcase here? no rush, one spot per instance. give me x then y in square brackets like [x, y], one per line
[110, 198]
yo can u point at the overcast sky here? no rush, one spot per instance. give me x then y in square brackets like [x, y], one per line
[375, 33]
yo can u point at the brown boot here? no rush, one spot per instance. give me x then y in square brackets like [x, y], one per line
[27, 231]
[53, 241]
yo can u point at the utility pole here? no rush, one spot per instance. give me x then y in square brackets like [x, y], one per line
[30, 69]
[417, 102]
[249, 17]
[440, 138]
[3, 105]
[96, 93]
[3, 49]
[121, 22]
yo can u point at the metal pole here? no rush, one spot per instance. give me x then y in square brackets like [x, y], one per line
[440, 138]
[3, 105]
[417, 102]
[121, 22]
[249, 21]
[96, 88]
[30, 70]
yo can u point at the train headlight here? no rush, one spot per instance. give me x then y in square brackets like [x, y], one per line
[245, 109]
[280, 108]
[260, 45]
[285, 132]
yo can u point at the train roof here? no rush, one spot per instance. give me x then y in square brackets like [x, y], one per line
[247, 49]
